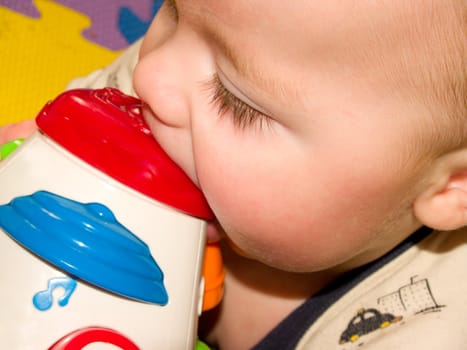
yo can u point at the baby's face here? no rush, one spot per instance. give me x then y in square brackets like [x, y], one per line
[293, 119]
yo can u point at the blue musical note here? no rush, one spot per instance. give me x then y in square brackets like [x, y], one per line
[43, 300]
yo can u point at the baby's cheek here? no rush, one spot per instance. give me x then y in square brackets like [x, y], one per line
[255, 219]
[293, 225]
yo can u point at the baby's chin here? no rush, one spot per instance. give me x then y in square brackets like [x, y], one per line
[237, 249]
[265, 255]
[217, 233]
[279, 261]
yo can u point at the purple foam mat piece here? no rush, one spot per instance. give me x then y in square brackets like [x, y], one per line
[104, 29]
[25, 7]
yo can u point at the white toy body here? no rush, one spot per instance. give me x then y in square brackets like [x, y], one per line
[175, 240]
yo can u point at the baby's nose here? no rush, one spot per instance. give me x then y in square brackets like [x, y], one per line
[159, 81]
[168, 78]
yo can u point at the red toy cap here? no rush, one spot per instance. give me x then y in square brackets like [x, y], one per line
[105, 128]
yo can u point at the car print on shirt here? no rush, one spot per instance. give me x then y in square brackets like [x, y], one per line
[413, 298]
[366, 321]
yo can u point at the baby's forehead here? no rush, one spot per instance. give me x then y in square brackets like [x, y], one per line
[391, 39]
[357, 35]
[287, 51]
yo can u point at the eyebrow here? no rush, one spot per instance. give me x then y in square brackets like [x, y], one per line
[229, 51]
[247, 68]
[215, 34]
[250, 70]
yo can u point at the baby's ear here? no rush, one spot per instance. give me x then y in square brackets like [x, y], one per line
[443, 203]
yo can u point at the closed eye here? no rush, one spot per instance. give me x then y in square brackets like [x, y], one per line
[243, 115]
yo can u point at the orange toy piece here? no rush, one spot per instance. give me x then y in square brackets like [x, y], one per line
[213, 273]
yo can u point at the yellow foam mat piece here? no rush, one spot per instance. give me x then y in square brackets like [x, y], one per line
[39, 56]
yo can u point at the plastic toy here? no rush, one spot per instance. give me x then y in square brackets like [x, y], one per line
[102, 235]
[9, 147]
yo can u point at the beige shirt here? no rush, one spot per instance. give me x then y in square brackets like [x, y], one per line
[417, 301]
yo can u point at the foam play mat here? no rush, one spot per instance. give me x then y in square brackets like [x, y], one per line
[46, 43]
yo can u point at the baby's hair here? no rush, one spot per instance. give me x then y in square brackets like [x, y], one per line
[420, 59]
[449, 75]
[435, 64]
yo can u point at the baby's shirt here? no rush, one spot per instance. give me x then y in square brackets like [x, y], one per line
[412, 298]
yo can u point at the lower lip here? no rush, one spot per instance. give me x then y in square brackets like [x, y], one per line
[213, 232]
[148, 116]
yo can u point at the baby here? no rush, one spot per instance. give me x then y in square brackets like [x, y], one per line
[327, 136]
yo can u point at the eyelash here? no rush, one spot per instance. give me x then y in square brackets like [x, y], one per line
[243, 115]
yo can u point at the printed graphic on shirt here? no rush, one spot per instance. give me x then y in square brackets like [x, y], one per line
[367, 321]
[413, 298]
